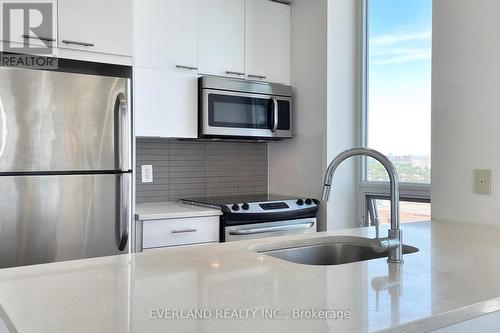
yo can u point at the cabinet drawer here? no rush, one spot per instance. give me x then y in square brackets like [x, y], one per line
[172, 232]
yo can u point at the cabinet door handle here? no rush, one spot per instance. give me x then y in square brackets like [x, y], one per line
[191, 68]
[235, 73]
[184, 231]
[73, 42]
[253, 76]
[46, 39]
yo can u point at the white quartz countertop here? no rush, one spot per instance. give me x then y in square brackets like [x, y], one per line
[171, 210]
[454, 277]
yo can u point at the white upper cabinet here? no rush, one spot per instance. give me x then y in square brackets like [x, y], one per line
[221, 29]
[176, 40]
[166, 34]
[103, 26]
[165, 73]
[165, 103]
[268, 41]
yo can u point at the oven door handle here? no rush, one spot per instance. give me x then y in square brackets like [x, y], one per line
[255, 231]
[275, 114]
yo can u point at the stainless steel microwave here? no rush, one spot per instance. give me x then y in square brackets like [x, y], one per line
[241, 109]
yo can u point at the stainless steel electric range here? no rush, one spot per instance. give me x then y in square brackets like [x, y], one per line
[257, 216]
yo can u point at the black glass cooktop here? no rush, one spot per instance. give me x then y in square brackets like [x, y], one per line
[229, 200]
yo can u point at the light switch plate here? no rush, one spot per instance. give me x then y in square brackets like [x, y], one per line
[147, 173]
[482, 181]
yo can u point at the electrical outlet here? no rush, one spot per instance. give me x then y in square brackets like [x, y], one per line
[147, 173]
[482, 181]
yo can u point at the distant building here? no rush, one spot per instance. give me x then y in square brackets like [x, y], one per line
[417, 161]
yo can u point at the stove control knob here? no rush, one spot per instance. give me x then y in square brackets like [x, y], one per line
[245, 206]
[300, 202]
[309, 201]
[235, 207]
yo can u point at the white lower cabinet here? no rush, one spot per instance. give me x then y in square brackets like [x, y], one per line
[175, 232]
[166, 103]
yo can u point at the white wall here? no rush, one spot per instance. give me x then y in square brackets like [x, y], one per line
[465, 108]
[296, 167]
[342, 118]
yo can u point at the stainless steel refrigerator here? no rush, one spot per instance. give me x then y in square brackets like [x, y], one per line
[65, 166]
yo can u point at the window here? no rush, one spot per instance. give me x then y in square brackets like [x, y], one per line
[397, 104]
[411, 211]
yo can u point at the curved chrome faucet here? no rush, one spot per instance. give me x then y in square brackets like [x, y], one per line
[394, 241]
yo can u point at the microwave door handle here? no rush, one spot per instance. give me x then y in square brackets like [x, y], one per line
[275, 114]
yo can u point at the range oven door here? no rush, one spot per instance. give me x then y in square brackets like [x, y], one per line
[269, 229]
[243, 115]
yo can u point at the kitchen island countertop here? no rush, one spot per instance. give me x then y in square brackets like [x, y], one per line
[229, 288]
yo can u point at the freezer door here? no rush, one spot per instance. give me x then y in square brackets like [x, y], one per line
[56, 218]
[52, 121]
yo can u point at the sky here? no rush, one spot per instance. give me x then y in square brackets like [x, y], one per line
[399, 85]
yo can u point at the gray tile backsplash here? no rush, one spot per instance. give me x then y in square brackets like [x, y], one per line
[198, 169]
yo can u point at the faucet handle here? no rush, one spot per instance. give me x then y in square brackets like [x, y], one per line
[380, 244]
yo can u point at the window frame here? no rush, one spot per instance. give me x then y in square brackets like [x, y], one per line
[372, 207]
[369, 190]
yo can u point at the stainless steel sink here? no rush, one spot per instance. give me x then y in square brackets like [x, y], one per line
[334, 252]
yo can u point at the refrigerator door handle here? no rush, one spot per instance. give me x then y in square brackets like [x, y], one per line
[124, 216]
[124, 129]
